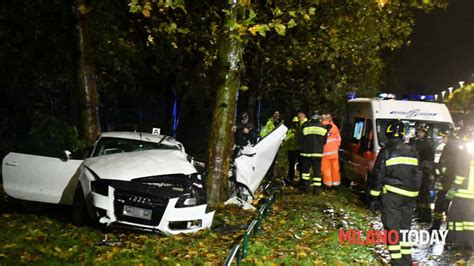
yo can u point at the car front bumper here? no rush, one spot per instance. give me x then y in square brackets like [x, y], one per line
[166, 218]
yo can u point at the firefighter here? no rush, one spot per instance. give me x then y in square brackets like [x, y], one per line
[461, 211]
[293, 153]
[444, 176]
[426, 153]
[330, 161]
[397, 181]
[313, 137]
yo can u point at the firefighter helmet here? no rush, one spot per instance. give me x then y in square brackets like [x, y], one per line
[445, 131]
[422, 126]
[395, 129]
[316, 118]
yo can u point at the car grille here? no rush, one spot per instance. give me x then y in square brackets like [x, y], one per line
[151, 202]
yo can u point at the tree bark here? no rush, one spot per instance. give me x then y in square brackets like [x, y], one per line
[87, 99]
[223, 118]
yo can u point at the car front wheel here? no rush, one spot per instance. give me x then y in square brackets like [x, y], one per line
[80, 216]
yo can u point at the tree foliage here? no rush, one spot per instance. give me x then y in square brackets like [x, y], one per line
[462, 99]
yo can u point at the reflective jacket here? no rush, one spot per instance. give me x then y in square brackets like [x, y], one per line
[313, 136]
[396, 170]
[269, 127]
[290, 140]
[331, 148]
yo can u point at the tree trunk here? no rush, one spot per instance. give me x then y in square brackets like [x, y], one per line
[223, 117]
[84, 79]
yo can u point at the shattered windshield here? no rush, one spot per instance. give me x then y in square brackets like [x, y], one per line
[434, 127]
[109, 145]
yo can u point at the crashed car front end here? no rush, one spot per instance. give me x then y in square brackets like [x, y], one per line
[170, 204]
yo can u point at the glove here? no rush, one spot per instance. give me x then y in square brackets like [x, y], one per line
[450, 194]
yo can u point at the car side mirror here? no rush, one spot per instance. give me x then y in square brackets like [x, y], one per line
[65, 156]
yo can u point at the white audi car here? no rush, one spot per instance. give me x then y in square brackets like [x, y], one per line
[131, 179]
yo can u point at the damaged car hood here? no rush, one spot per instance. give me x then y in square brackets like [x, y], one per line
[131, 165]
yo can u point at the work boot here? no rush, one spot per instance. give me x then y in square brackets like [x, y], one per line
[435, 226]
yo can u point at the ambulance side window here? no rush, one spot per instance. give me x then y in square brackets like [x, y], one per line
[357, 131]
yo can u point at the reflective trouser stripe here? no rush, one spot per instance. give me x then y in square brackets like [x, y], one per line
[394, 247]
[316, 182]
[306, 176]
[438, 215]
[459, 180]
[458, 226]
[438, 186]
[468, 226]
[330, 152]
[311, 154]
[396, 255]
[450, 226]
[463, 193]
[406, 248]
[423, 205]
[400, 191]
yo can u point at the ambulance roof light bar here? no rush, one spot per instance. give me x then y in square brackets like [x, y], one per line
[385, 96]
[419, 97]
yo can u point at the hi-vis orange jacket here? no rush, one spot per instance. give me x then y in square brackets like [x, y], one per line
[331, 148]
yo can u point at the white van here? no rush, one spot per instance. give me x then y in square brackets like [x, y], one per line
[360, 143]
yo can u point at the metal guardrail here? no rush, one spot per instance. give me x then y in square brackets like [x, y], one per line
[240, 251]
[233, 252]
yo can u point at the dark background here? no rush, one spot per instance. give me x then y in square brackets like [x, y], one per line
[441, 52]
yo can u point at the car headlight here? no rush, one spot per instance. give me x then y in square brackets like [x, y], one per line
[187, 201]
[100, 187]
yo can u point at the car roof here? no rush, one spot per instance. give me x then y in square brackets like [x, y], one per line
[141, 136]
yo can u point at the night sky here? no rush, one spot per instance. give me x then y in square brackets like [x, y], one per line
[441, 51]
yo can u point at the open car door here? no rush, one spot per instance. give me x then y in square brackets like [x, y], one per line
[254, 161]
[38, 178]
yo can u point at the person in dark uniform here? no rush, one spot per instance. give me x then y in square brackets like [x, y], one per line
[313, 136]
[397, 180]
[444, 175]
[424, 146]
[461, 211]
[245, 132]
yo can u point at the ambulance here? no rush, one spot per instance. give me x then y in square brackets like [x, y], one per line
[363, 129]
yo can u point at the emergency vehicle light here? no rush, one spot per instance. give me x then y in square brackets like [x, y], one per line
[386, 96]
[351, 95]
[420, 97]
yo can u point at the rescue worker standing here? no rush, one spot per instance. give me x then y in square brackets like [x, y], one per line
[313, 137]
[245, 133]
[461, 211]
[330, 161]
[272, 123]
[396, 175]
[292, 147]
[426, 153]
[444, 175]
